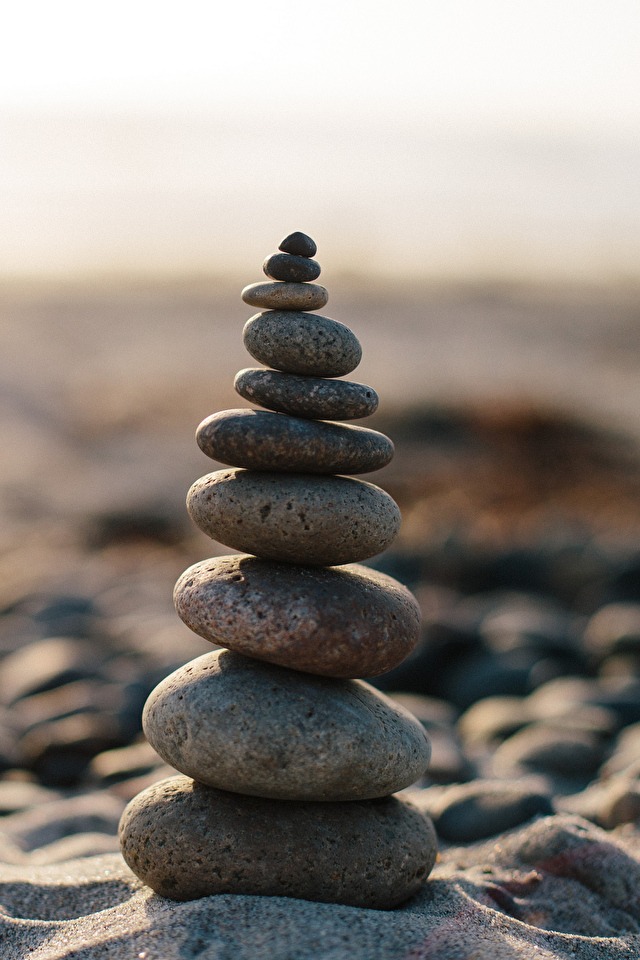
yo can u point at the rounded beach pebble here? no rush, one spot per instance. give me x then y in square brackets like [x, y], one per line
[186, 840]
[260, 440]
[291, 268]
[238, 724]
[311, 397]
[304, 343]
[300, 518]
[280, 295]
[299, 244]
[339, 622]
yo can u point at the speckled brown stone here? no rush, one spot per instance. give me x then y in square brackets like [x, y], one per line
[285, 296]
[304, 343]
[345, 621]
[186, 840]
[255, 728]
[311, 397]
[300, 518]
[271, 441]
[292, 269]
[298, 244]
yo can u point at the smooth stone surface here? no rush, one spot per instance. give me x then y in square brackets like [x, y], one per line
[299, 518]
[259, 440]
[339, 622]
[304, 343]
[186, 840]
[311, 397]
[299, 244]
[238, 724]
[285, 296]
[291, 268]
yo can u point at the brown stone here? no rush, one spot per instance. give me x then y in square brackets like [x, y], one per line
[186, 840]
[299, 518]
[345, 621]
[259, 440]
[285, 296]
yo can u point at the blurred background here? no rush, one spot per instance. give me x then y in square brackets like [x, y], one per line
[469, 170]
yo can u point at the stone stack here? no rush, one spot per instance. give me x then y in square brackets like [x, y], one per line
[288, 762]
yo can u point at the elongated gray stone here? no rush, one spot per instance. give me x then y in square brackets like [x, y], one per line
[291, 268]
[186, 840]
[259, 440]
[286, 296]
[304, 343]
[300, 518]
[311, 397]
[238, 724]
[345, 621]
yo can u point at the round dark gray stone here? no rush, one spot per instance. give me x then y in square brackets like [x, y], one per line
[299, 518]
[298, 342]
[310, 397]
[290, 268]
[255, 728]
[299, 244]
[339, 622]
[186, 840]
[286, 296]
[259, 440]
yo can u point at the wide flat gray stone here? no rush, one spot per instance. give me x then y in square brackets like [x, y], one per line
[279, 295]
[259, 440]
[299, 518]
[345, 621]
[301, 396]
[300, 342]
[250, 727]
[186, 841]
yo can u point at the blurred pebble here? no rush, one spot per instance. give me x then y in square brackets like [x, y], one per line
[59, 752]
[550, 750]
[472, 811]
[625, 753]
[122, 763]
[46, 664]
[18, 795]
[608, 804]
[492, 719]
[613, 629]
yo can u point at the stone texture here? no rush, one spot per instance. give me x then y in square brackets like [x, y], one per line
[186, 841]
[339, 622]
[291, 268]
[302, 396]
[254, 728]
[304, 343]
[299, 518]
[298, 244]
[285, 296]
[259, 440]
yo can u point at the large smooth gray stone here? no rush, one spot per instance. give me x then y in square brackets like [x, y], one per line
[259, 440]
[238, 724]
[312, 397]
[338, 622]
[186, 840]
[305, 343]
[299, 518]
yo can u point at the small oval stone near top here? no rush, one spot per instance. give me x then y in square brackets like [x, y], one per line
[298, 244]
[302, 343]
[254, 728]
[285, 266]
[315, 398]
[280, 295]
[259, 440]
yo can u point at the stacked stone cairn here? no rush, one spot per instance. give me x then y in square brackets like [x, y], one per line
[289, 763]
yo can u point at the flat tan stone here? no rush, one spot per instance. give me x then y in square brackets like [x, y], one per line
[280, 295]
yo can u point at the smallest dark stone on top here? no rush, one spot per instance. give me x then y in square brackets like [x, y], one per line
[298, 244]
[291, 269]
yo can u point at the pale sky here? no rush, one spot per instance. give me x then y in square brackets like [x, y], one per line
[546, 61]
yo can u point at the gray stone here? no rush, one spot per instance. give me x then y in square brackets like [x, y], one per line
[291, 268]
[259, 440]
[304, 343]
[302, 396]
[186, 840]
[285, 296]
[298, 244]
[339, 622]
[299, 518]
[250, 727]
